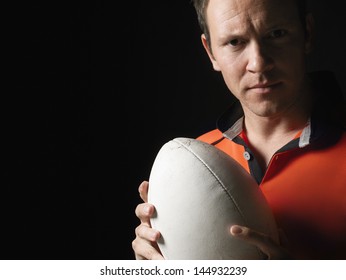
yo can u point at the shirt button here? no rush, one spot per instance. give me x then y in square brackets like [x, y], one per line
[247, 155]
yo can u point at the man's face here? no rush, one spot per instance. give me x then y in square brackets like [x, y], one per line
[259, 46]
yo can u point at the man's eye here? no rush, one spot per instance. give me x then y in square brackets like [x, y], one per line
[234, 42]
[277, 33]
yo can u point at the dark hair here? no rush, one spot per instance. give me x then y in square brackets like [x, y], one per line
[201, 7]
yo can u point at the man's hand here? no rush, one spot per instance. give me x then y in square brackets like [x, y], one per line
[263, 242]
[145, 244]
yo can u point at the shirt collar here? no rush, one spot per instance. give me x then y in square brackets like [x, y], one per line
[237, 128]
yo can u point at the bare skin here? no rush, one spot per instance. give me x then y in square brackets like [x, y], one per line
[145, 246]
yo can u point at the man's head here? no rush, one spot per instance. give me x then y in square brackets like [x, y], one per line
[260, 48]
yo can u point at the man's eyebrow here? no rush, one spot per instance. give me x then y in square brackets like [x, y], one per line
[225, 36]
[229, 31]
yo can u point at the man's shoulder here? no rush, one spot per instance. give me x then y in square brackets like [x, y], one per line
[211, 136]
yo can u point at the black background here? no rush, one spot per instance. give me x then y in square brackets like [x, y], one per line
[95, 90]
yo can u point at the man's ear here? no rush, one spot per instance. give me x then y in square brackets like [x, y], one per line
[309, 32]
[209, 52]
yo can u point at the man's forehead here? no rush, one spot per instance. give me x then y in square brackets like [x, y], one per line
[237, 11]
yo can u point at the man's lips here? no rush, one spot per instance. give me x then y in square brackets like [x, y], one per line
[264, 85]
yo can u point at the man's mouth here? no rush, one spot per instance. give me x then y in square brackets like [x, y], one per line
[264, 87]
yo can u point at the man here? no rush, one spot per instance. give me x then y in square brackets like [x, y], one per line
[287, 128]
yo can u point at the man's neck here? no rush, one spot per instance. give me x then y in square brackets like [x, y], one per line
[267, 129]
[268, 134]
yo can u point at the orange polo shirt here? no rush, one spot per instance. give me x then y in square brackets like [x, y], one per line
[304, 183]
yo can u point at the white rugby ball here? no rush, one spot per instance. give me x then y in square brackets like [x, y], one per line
[198, 192]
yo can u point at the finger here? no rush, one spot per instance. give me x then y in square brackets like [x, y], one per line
[145, 245]
[143, 190]
[145, 251]
[250, 237]
[145, 232]
[144, 211]
[262, 241]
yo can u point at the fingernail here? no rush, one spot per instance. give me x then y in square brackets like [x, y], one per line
[235, 230]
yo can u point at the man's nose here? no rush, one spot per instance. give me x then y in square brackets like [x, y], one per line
[259, 59]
